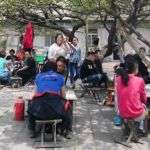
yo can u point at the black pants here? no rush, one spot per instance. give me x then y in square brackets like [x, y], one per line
[48, 107]
[26, 75]
[97, 79]
[65, 125]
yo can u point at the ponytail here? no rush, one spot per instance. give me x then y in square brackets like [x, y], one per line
[127, 68]
[124, 75]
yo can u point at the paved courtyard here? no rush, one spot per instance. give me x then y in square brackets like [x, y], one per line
[93, 127]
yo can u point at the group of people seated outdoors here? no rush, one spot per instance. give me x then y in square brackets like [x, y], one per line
[49, 101]
[89, 70]
[11, 65]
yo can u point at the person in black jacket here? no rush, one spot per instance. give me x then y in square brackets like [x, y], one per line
[89, 72]
[88, 68]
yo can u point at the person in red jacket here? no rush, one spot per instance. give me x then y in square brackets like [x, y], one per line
[131, 92]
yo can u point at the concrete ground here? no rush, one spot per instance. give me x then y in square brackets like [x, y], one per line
[93, 127]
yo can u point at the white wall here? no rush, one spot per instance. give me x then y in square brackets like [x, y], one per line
[103, 37]
[12, 42]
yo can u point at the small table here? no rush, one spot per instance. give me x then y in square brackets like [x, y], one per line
[70, 95]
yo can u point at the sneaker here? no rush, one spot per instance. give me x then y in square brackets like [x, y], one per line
[72, 86]
[33, 134]
[141, 133]
[68, 135]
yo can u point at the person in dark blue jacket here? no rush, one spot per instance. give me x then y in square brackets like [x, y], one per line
[47, 102]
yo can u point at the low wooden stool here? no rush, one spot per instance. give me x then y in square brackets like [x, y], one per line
[43, 123]
[15, 82]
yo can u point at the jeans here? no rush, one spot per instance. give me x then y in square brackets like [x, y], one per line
[26, 75]
[97, 79]
[74, 71]
[5, 77]
[94, 78]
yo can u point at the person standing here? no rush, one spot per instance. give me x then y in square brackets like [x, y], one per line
[74, 60]
[59, 48]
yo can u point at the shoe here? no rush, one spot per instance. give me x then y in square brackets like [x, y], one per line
[68, 135]
[72, 86]
[141, 133]
[33, 134]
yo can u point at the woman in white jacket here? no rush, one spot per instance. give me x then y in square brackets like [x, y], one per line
[59, 48]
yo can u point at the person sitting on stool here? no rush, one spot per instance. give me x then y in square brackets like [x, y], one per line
[48, 104]
[131, 91]
[89, 72]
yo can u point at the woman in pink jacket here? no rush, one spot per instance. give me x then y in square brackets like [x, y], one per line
[131, 92]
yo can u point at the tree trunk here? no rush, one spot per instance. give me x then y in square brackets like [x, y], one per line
[133, 30]
[112, 38]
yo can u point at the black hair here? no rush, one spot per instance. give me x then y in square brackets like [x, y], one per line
[75, 38]
[59, 34]
[138, 59]
[92, 52]
[143, 48]
[129, 56]
[2, 54]
[97, 51]
[12, 50]
[48, 66]
[127, 68]
[62, 59]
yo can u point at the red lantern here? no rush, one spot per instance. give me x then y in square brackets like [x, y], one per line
[19, 108]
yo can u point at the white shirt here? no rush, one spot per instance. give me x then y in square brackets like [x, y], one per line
[55, 51]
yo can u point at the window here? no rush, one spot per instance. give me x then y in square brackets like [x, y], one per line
[91, 39]
[49, 40]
